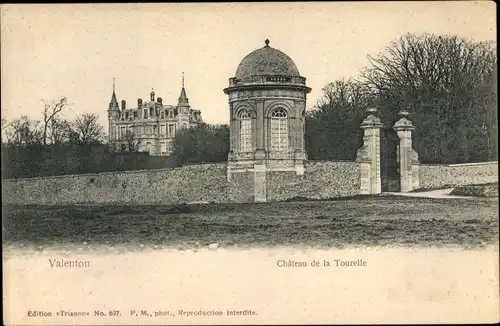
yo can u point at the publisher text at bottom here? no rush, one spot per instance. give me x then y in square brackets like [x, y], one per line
[227, 312]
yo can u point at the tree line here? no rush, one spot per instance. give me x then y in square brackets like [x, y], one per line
[56, 146]
[52, 129]
[447, 83]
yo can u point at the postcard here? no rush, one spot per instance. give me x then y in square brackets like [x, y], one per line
[250, 163]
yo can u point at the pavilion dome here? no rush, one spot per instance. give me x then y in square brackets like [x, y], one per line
[266, 61]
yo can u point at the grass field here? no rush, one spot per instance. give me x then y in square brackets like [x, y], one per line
[369, 221]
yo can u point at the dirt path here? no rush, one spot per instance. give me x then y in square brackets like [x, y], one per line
[440, 193]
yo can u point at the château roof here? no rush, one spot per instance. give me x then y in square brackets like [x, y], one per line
[266, 61]
[114, 101]
[183, 99]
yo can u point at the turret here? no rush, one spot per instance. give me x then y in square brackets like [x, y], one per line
[114, 109]
[183, 99]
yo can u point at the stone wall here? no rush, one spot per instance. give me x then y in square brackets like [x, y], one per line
[205, 182]
[476, 191]
[435, 176]
[241, 187]
[194, 183]
[322, 180]
[209, 183]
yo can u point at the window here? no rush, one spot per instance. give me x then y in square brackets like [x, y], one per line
[245, 132]
[162, 115]
[123, 132]
[163, 130]
[171, 130]
[145, 114]
[163, 147]
[279, 130]
[170, 114]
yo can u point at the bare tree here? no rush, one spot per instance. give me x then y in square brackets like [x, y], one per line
[87, 130]
[332, 128]
[50, 112]
[131, 141]
[445, 82]
[23, 132]
[346, 94]
[5, 124]
[59, 131]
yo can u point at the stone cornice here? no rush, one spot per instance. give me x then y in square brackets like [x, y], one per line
[303, 88]
[264, 98]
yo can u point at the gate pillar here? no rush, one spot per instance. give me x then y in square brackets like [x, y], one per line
[368, 155]
[408, 158]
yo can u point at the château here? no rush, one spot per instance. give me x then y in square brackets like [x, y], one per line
[151, 125]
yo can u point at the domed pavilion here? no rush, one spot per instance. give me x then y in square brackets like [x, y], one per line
[267, 103]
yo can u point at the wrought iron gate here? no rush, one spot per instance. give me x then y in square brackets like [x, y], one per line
[389, 163]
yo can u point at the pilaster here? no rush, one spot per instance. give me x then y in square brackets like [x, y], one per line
[231, 128]
[260, 186]
[260, 124]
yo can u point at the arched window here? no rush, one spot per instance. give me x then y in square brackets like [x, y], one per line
[279, 130]
[245, 132]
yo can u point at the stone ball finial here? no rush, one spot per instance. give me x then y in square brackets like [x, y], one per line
[267, 42]
[404, 113]
[371, 120]
[403, 123]
[371, 110]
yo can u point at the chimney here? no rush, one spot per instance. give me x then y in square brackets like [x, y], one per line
[139, 103]
[123, 104]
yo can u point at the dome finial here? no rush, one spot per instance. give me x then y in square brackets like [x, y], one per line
[267, 42]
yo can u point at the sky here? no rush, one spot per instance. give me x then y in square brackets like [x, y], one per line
[75, 50]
